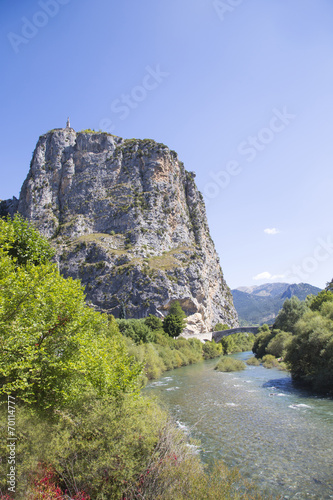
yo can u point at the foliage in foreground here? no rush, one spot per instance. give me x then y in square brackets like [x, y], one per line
[98, 450]
[53, 345]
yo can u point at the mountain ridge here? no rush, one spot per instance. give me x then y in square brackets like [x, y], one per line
[261, 303]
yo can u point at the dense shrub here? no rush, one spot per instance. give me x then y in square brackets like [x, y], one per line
[153, 322]
[212, 350]
[270, 361]
[227, 364]
[279, 344]
[292, 310]
[136, 329]
[97, 446]
[237, 342]
[263, 338]
[253, 361]
[310, 354]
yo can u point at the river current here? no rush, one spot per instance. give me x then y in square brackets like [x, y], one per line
[280, 437]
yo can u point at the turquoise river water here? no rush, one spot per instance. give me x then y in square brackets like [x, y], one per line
[277, 435]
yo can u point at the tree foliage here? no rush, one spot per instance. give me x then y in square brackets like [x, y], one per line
[329, 286]
[219, 327]
[310, 355]
[23, 243]
[136, 329]
[174, 323]
[176, 310]
[53, 345]
[153, 322]
[316, 302]
[262, 340]
[237, 342]
[292, 310]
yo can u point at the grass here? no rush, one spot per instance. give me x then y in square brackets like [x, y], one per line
[168, 260]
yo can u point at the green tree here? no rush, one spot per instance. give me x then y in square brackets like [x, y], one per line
[176, 310]
[173, 325]
[329, 286]
[316, 301]
[279, 344]
[262, 340]
[292, 310]
[211, 350]
[53, 345]
[23, 243]
[219, 327]
[310, 354]
[153, 322]
[136, 329]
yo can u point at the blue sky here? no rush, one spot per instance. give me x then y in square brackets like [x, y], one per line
[241, 89]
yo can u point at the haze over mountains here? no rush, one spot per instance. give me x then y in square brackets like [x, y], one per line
[260, 304]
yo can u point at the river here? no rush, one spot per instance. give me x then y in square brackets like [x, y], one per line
[278, 436]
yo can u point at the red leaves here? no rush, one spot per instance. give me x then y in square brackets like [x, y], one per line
[45, 486]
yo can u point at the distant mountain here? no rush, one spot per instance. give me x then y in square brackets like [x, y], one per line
[260, 304]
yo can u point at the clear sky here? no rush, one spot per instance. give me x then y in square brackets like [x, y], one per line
[241, 89]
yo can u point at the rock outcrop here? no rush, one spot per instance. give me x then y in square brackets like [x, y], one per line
[126, 219]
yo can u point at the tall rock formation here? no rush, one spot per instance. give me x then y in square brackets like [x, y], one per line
[126, 219]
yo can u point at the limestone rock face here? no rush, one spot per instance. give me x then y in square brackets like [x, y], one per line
[127, 219]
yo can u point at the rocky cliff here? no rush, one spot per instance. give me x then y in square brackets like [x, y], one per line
[126, 219]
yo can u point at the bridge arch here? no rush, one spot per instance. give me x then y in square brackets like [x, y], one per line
[218, 336]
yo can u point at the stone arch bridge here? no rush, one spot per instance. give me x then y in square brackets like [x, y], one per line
[217, 336]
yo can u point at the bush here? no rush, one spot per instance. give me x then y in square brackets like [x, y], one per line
[212, 350]
[153, 322]
[96, 446]
[154, 365]
[238, 342]
[253, 361]
[229, 365]
[262, 340]
[270, 361]
[278, 345]
[136, 329]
